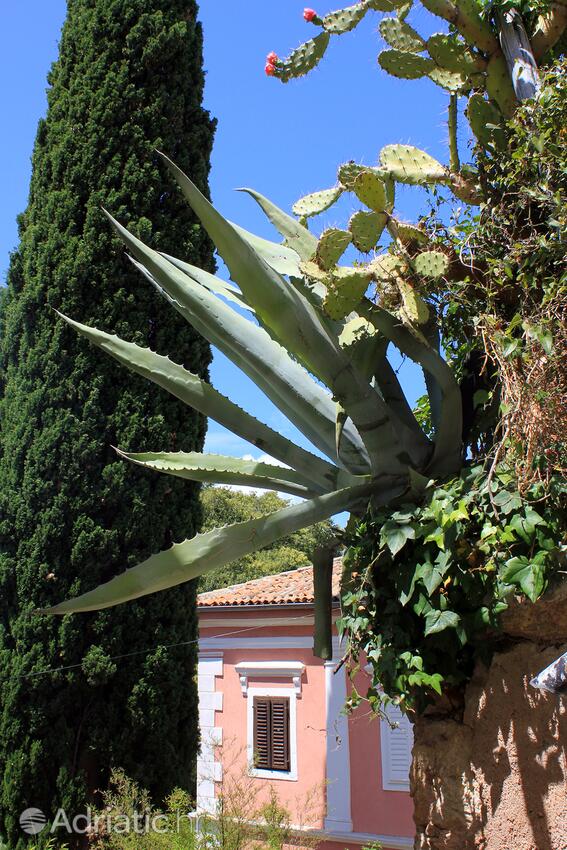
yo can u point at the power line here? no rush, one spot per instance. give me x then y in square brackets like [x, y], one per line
[52, 670]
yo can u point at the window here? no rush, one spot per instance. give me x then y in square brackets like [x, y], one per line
[271, 733]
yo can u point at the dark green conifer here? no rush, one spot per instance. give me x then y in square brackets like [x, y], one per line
[129, 79]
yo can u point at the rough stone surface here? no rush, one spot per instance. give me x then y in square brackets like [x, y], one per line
[498, 779]
[545, 622]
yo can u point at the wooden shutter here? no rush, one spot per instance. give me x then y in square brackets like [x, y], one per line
[271, 733]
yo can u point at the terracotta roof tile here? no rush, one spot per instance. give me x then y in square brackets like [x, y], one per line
[280, 589]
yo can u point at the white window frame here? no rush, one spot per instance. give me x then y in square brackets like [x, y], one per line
[287, 693]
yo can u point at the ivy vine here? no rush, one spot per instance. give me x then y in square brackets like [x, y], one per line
[424, 587]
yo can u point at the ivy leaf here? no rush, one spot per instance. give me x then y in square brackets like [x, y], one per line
[507, 502]
[395, 536]
[460, 512]
[525, 525]
[438, 621]
[436, 535]
[526, 574]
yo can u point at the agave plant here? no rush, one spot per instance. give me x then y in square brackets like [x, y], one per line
[303, 329]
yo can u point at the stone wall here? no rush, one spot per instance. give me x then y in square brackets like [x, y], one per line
[497, 778]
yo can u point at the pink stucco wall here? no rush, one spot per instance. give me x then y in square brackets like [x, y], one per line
[374, 810]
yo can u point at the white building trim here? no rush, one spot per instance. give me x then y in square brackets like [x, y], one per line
[367, 839]
[339, 818]
[267, 669]
[209, 770]
[296, 642]
[290, 775]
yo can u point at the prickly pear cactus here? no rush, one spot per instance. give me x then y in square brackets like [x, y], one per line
[414, 310]
[432, 264]
[449, 80]
[451, 54]
[401, 36]
[331, 246]
[345, 288]
[316, 202]
[311, 270]
[366, 229]
[348, 173]
[387, 268]
[344, 20]
[408, 164]
[303, 58]
[485, 119]
[406, 66]
[370, 189]
[410, 235]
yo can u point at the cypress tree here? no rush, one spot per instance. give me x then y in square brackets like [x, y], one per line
[128, 80]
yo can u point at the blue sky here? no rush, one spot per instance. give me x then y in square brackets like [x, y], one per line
[284, 140]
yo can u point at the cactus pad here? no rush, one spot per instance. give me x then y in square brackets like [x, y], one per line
[331, 246]
[406, 66]
[401, 36]
[431, 264]
[311, 270]
[316, 202]
[485, 120]
[344, 20]
[387, 267]
[382, 5]
[303, 58]
[450, 53]
[414, 310]
[404, 9]
[370, 189]
[411, 165]
[366, 229]
[345, 289]
[348, 173]
[410, 235]
[449, 80]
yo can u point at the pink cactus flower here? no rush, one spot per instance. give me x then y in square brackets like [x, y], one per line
[272, 58]
[309, 14]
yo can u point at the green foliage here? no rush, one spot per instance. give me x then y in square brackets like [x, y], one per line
[128, 79]
[514, 298]
[127, 819]
[222, 506]
[424, 585]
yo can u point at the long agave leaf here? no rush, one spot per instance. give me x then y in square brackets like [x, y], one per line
[212, 283]
[206, 552]
[280, 258]
[394, 396]
[288, 314]
[298, 326]
[200, 395]
[249, 347]
[295, 234]
[220, 469]
[446, 458]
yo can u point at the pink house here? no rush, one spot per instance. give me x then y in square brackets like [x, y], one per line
[264, 695]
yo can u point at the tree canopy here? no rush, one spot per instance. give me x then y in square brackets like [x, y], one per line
[129, 79]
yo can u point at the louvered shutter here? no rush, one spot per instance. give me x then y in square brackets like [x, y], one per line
[262, 733]
[396, 746]
[271, 733]
[280, 734]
